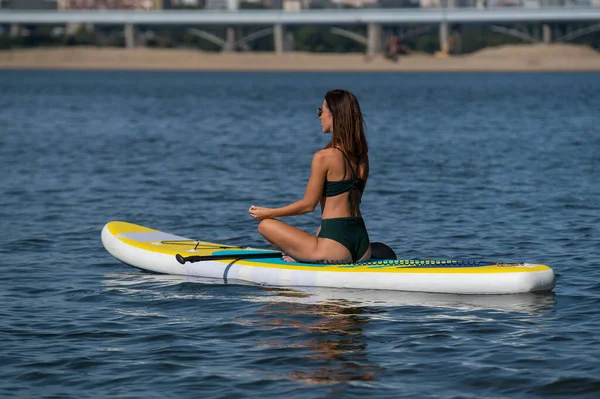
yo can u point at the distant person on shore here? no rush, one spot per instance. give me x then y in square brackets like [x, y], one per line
[338, 177]
[396, 47]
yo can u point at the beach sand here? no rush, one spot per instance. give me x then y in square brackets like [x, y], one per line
[530, 57]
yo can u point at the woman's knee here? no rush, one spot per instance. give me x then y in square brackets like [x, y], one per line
[265, 226]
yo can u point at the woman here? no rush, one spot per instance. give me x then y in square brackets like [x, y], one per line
[339, 173]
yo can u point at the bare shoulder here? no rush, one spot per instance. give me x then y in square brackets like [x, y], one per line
[325, 154]
[320, 160]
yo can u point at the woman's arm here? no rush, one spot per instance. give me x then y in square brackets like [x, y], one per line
[314, 191]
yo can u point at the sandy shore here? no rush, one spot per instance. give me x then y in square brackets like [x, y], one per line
[538, 57]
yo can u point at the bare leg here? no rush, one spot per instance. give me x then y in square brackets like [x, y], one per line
[300, 245]
[288, 258]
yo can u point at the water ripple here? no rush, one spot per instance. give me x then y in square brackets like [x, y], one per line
[489, 166]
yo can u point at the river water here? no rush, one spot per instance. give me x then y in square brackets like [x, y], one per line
[470, 166]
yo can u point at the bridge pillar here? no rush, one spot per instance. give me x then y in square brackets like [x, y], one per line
[289, 41]
[230, 40]
[15, 30]
[278, 38]
[444, 37]
[72, 29]
[373, 39]
[547, 34]
[129, 33]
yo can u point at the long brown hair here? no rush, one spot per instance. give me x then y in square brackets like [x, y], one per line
[348, 123]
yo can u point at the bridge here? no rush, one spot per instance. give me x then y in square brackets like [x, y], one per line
[373, 18]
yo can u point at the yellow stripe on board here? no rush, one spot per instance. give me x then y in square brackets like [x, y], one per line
[117, 228]
[173, 249]
[399, 269]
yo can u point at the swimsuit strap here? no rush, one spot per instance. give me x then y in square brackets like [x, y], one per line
[354, 180]
[354, 174]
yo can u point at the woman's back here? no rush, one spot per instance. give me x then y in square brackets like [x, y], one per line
[345, 182]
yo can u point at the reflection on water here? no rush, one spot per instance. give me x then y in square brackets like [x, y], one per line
[529, 303]
[326, 336]
[332, 335]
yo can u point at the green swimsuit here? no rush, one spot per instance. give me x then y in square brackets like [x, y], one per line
[348, 231]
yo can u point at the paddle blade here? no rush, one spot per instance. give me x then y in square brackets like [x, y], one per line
[381, 251]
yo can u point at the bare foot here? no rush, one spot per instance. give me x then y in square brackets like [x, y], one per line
[288, 258]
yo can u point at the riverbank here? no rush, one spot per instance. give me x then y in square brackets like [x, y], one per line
[535, 57]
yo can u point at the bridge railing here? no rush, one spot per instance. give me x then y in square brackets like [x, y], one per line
[288, 5]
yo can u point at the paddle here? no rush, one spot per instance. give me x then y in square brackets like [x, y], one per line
[378, 251]
[381, 251]
[253, 255]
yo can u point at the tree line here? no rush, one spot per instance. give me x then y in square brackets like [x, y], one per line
[319, 39]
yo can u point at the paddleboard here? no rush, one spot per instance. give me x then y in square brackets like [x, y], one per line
[156, 251]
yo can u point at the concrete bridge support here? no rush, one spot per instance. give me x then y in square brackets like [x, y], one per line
[444, 35]
[230, 40]
[15, 30]
[72, 29]
[289, 42]
[232, 5]
[373, 39]
[547, 34]
[129, 32]
[278, 38]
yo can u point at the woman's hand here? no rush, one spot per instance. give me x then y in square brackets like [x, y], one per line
[260, 213]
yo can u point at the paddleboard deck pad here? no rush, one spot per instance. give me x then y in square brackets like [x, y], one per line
[157, 251]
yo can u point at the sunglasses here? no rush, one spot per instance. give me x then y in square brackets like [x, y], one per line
[320, 112]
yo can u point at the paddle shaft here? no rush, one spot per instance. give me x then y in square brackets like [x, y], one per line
[200, 258]
[379, 251]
